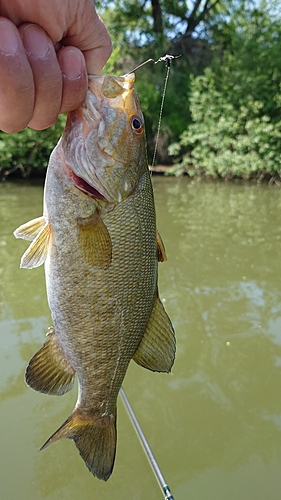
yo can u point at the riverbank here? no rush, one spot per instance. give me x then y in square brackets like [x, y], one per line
[28, 172]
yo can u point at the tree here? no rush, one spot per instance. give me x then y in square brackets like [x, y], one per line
[228, 75]
[180, 23]
[235, 104]
[149, 29]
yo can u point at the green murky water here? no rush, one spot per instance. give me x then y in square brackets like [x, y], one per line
[214, 424]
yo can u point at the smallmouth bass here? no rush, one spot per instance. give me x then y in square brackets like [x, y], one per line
[98, 240]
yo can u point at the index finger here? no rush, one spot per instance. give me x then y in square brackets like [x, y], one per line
[16, 80]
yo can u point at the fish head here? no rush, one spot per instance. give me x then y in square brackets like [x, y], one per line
[104, 141]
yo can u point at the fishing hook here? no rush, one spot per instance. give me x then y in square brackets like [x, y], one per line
[167, 59]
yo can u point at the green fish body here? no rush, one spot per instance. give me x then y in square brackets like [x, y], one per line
[100, 246]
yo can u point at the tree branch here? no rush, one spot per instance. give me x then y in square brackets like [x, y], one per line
[157, 16]
[195, 19]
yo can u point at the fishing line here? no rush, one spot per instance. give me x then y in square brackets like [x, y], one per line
[167, 59]
[156, 469]
[161, 112]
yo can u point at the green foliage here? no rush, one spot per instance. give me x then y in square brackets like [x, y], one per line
[135, 27]
[222, 121]
[141, 22]
[28, 149]
[235, 105]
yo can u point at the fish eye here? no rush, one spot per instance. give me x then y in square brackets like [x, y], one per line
[137, 124]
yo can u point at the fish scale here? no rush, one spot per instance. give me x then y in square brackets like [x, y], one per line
[100, 246]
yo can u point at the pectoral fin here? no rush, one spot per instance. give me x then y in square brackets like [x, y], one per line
[161, 252]
[158, 345]
[37, 251]
[31, 229]
[48, 371]
[95, 241]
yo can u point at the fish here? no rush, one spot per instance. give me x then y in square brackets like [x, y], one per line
[100, 247]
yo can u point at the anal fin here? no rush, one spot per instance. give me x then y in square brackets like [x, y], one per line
[157, 348]
[48, 370]
[95, 439]
[94, 240]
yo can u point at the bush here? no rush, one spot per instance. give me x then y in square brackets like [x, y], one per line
[235, 107]
[224, 141]
[28, 149]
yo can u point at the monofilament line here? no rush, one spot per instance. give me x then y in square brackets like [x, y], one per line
[160, 114]
[167, 59]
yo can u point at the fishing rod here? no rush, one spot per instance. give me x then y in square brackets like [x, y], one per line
[156, 469]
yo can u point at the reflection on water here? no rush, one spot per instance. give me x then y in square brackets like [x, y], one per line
[214, 424]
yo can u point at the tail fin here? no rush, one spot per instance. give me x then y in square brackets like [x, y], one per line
[95, 438]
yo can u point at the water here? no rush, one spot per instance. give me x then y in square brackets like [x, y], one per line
[214, 424]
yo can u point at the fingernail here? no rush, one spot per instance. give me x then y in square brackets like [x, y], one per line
[35, 42]
[9, 39]
[71, 64]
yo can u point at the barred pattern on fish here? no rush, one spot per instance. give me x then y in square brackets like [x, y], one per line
[98, 240]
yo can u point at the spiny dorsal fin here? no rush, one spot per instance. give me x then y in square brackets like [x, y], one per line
[37, 251]
[158, 345]
[95, 438]
[94, 240]
[161, 252]
[31, 229]
[48, 370]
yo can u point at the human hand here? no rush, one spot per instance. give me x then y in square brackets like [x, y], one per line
[46, 51]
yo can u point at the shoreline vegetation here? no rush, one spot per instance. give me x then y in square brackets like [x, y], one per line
[222, 109]
[20, 173]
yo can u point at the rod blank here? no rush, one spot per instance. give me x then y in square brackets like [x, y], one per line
[156, 469]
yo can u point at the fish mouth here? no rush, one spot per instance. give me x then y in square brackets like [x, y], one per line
[86, 188]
